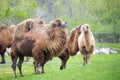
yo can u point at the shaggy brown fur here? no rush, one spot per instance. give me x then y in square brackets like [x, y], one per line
[72, 46]
[43, 42]
[86, 42]
[26, 25]
[23, 28]
[6, 36]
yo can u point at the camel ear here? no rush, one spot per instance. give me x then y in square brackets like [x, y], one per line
[78, 29]
[42, 22]
[80, 26]
[56, 22]
[29, 25]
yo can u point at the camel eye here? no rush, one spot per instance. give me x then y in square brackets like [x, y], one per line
[53, 25]
[41, 22]
[59, 24]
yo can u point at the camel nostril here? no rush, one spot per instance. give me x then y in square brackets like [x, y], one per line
[66, 24]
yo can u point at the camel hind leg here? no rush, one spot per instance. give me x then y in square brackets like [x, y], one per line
[14, 61]
[64, 60]
[3, 59]
[3, 49]
[21, 59]
[42, 65]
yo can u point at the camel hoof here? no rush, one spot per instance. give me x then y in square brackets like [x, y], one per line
[61, 68]
[83, 64]
[38, 72]
[42, 72]
[21, 75]
[15, 76]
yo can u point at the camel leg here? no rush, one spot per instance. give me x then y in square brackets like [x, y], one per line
[43, 69]
[3, 55]
[21, 59]
[88, 58]
[3, 58]
[39, 61]
[84, 54]
[89, 54]
[14, 65]
[43, 63]
[36, 67]
[64, 61]
[84, 59]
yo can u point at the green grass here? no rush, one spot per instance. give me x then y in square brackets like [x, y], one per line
[102, 67]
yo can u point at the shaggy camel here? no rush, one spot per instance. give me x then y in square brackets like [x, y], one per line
[42, 43]
[71, 48]
[86, 43]
[6, 36]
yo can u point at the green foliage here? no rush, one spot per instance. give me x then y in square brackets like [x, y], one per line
[102, 15]
[15, 11]
[102, 67]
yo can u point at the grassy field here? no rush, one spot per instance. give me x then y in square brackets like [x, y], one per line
[102, 67]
